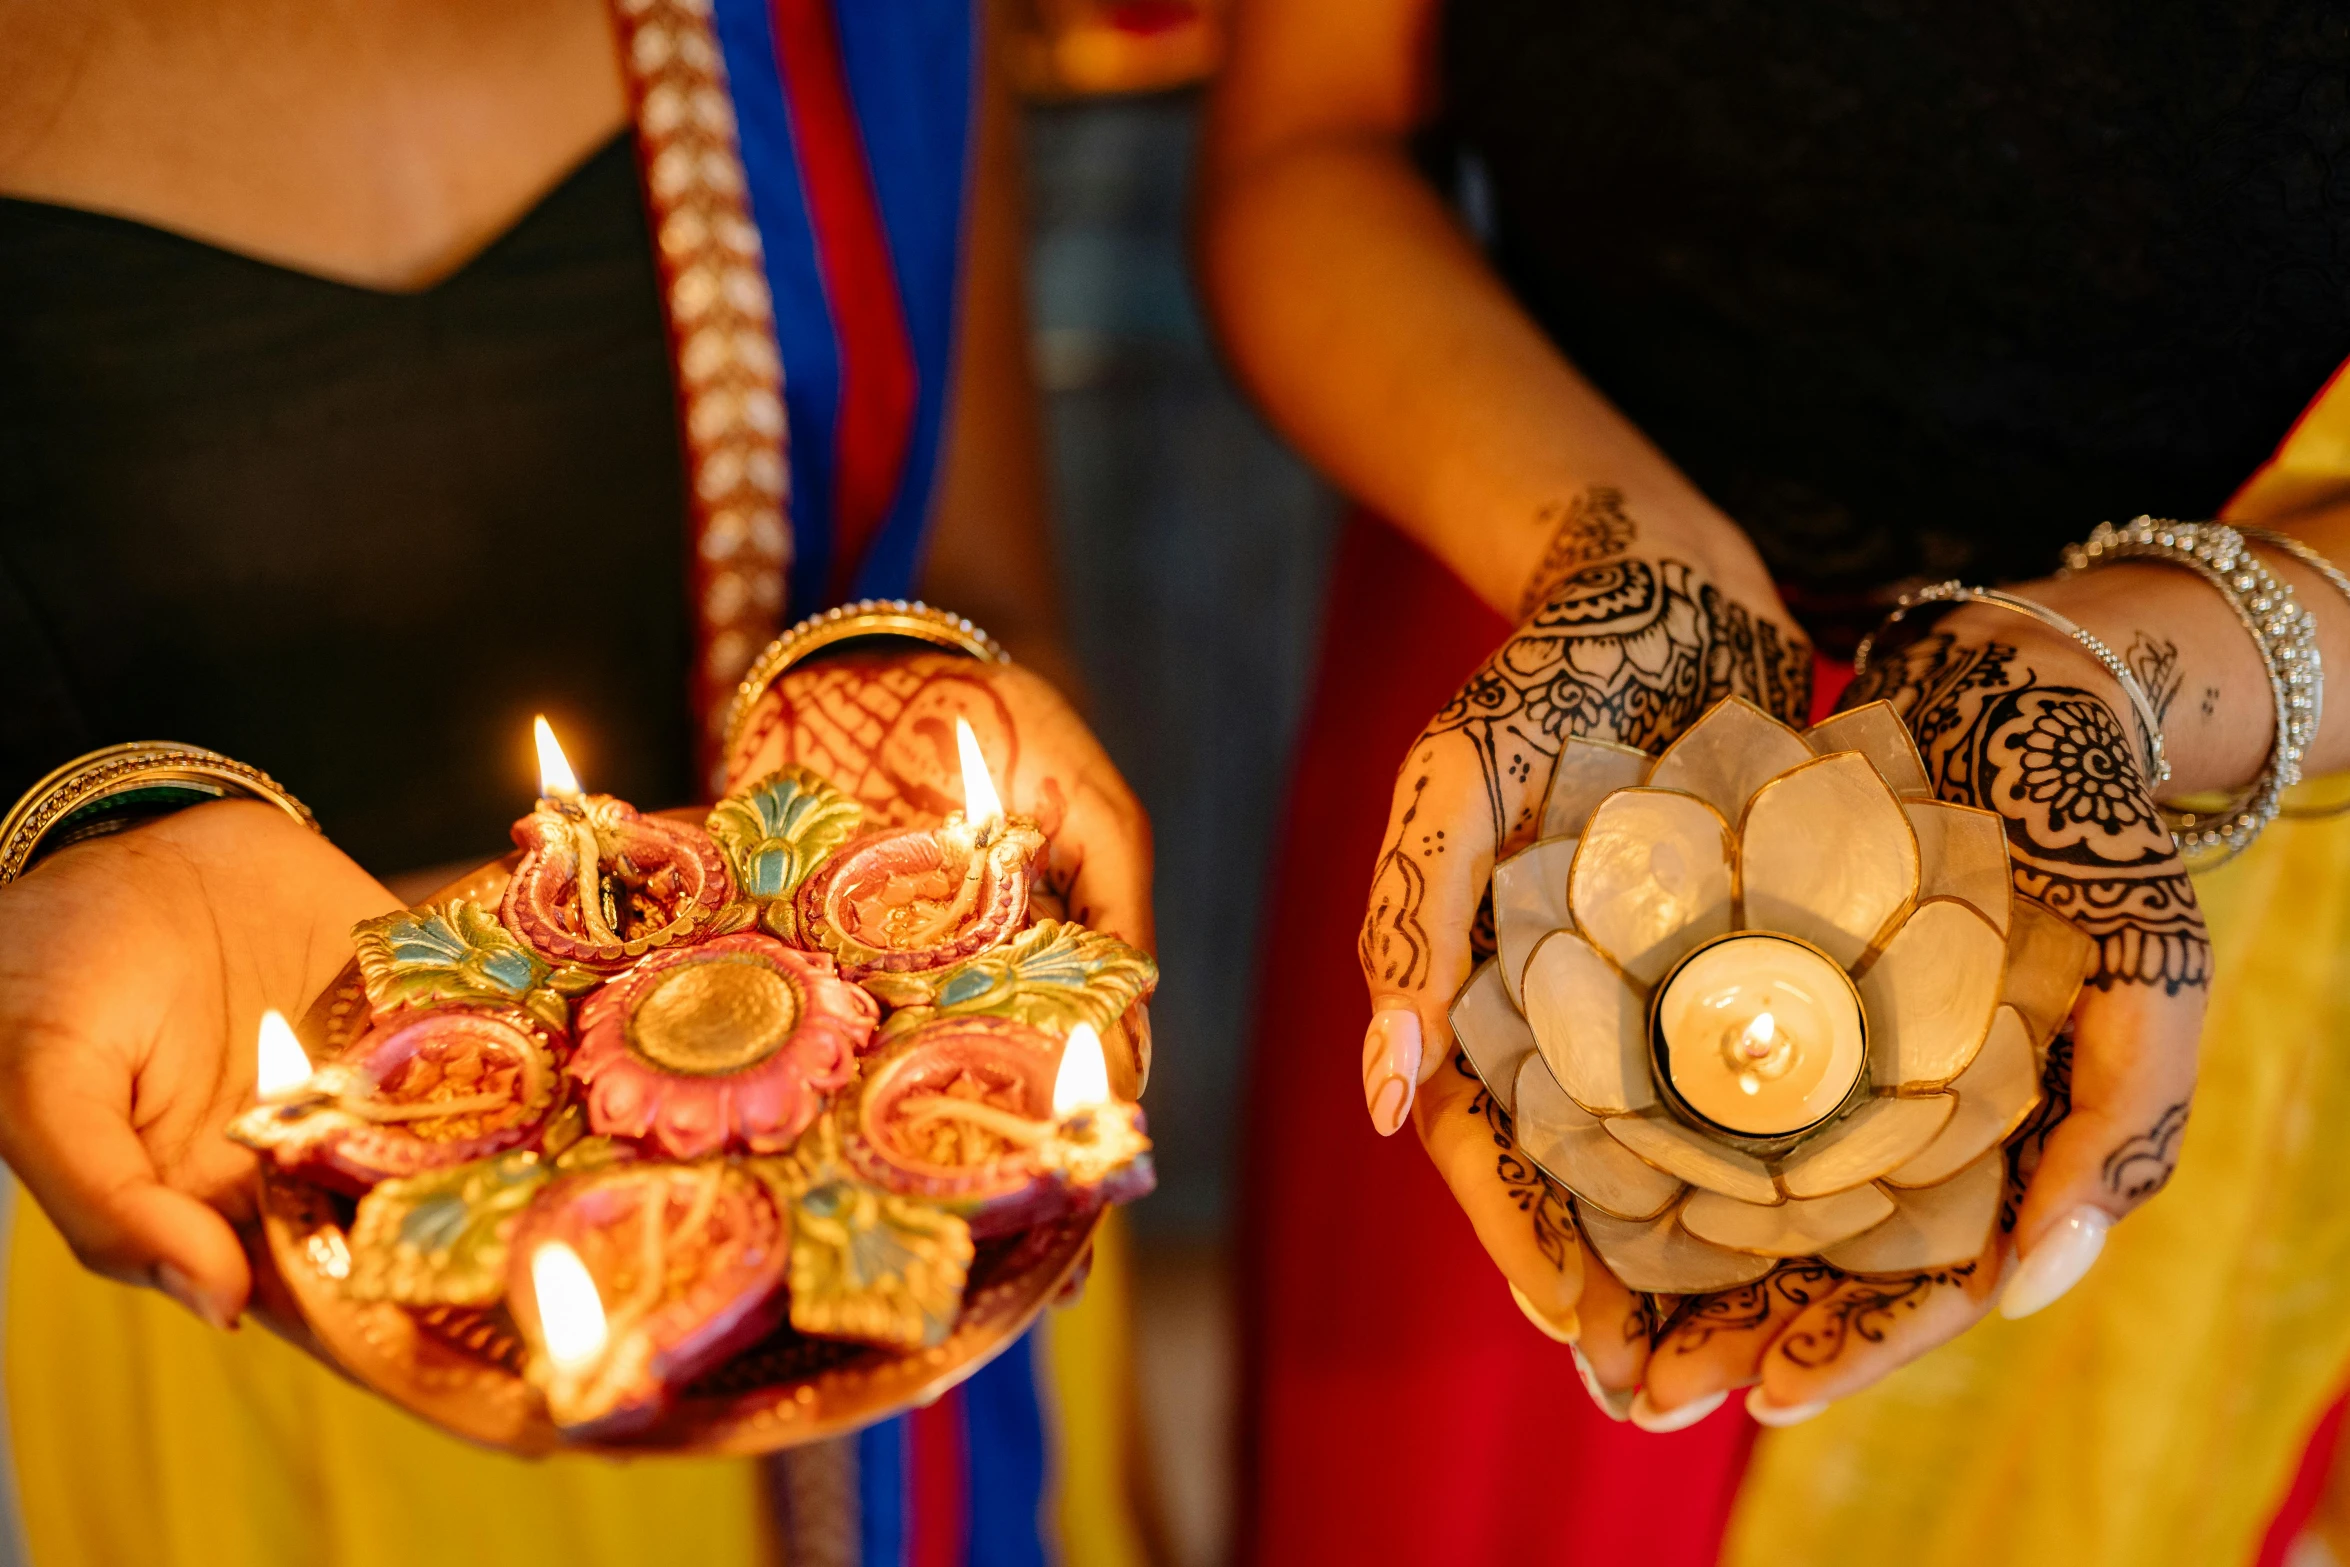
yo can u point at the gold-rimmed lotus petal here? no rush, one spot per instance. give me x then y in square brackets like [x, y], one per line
[1874, 1138]
[1491, 1033]
[1651, 879]
[1529, 902]
[1930, 996]
[1876, 732]
[1568, 1141]
[1733, 750]
[1589, 1025]
[1963, 855]
[2047, 957]
[1588, 772]
[1994, 1095]
[1937, 1227]
[1826, 853]
[1791, 1229]
[1694, 1157]
[1659, 1256]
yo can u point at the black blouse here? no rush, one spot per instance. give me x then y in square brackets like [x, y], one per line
[1911, 287]
[351, 537]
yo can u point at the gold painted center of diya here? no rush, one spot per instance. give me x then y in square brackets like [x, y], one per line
[721, 1014]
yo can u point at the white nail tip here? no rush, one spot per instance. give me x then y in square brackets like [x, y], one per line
[2056, 1264]
[1646, 1417]
[1563, 1332]
[1770, 1414]
[1616, 1406]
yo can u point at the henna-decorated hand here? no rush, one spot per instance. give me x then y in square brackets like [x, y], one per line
[2024, 725]
[882, 727]
[1616, 648]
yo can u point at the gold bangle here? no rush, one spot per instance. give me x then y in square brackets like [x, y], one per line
[87, 783]
[848, 623]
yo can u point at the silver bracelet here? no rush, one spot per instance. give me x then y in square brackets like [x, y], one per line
[2284, 632]
[2340, 583]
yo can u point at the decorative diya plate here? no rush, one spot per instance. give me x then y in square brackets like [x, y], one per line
[607, 1149]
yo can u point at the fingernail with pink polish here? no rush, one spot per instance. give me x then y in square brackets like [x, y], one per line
[1766, 1413]
[1663, 1422]
[2056, 1262]
[1616, 1406]
[1391, 1067]
[181, 1288]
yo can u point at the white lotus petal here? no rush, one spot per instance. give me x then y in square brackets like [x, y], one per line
[2047, 956]
[1963, 855]
[1938, 1227]
[1730, 752]
[1589, 1025]
[1930, 996]
[1651, 879]
[1659, 1256]
[1693, 1156]
[1792, 1229]
[1529, 902]
[1876, 732]
[1994, 1095]
[1874, 1138]
[1491, 1033]
[1825, 853]
[1565, 1139]
[1588, 772]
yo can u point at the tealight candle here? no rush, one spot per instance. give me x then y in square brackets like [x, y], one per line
[1761, 1034]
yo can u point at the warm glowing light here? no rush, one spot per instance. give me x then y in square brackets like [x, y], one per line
[283, 1066]
[556, 779]
[1084, 1078]
[571, 1313]
[981, 804]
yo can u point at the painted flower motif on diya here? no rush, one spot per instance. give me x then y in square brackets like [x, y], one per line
[422, 1090]
[898, 908]
[775, 831]
[957, 1114]
[1763, 997]
[735, 1043]
[601, 884]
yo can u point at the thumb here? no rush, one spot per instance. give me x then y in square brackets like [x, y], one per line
[73, 1146]
[1432, 872]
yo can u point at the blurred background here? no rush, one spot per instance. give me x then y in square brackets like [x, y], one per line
[1194, 549]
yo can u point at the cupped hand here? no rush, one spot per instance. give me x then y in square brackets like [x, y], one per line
[882, 727]
[1627, 650]
[134, 970]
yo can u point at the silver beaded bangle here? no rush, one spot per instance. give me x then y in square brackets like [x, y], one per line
[2284, 632]
[1957, 592]
[2336, 579]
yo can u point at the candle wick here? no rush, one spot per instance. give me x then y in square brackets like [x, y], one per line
[1011, 1127]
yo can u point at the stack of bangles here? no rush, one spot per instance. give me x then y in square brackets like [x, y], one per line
[2282, 630]
[123, 786]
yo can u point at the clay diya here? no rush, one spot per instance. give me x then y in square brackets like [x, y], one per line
[423, 1089]
[997, 1121]
[600, 883]
[733, 1043]
[629, 1282]
[900, 907]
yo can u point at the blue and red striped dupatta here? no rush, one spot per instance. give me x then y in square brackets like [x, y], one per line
[807, 165]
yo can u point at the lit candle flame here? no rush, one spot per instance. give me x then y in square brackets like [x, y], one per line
[1084, 1079]
[571, 1313]
[982, 806]
[1760, 1035]
[282, 1065]
[556, 779]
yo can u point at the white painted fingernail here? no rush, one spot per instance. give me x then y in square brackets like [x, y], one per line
[1566, 1329]
[1647, 1417]
[2056, 1263]
[1766, 1413]
[1391, 1067]
[1616, 1406]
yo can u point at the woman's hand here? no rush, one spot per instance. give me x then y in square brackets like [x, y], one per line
[882, 727]
[1617, 647]
[134, 970]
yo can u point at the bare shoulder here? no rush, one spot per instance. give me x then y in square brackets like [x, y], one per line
[381, 143]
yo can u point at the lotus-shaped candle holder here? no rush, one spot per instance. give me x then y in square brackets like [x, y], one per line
[1764, 997]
